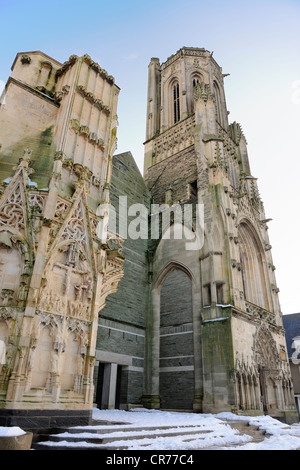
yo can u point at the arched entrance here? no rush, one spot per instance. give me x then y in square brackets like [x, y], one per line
[176, 355]
[268, 367]
[174, 376]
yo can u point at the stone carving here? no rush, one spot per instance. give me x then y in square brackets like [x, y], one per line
[174, 139]
[266, 352]
[69, 291]
[85, 131]
[37, 200]
[92, 99]
[61, 208]
[11, 210]
[25, 59]
[203, 91]
[75, 229]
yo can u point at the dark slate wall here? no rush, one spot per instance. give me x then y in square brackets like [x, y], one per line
[175, 173]
[128, 304]
[122, 321]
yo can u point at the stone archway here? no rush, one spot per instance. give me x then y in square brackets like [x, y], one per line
[176, 352]
[268, 366]
[174, 376]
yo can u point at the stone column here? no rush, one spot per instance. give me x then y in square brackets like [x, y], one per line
[277, 389]
[155, 345]
[198, 372]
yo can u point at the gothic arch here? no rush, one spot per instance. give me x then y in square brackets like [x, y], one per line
[267, 361]
[13, 258]
[176, 348]
[171, 266]
[218, 102]
[195, 78]
[73, 362]
[44, 74]
[174, 101]
[253, 265]
[266, 353]
[42, 357]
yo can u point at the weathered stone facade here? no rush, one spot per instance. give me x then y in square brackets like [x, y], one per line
[192, 322]
[57, 265]
[234, 355]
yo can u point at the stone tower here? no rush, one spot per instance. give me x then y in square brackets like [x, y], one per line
[57, 136]
[216, 340]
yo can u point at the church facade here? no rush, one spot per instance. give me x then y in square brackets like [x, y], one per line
[185, 314]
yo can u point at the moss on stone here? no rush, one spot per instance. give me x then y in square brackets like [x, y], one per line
[42, 157]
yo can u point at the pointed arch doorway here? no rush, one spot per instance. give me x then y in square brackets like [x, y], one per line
[268, 367]
[174, 374]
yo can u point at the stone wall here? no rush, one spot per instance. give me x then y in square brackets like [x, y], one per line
[175, 174]
[122, 322]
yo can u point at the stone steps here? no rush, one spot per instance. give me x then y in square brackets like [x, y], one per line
[115, 436]
[243, 427]
[103, 438]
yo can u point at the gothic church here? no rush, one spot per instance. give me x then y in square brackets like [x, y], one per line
[90, 317]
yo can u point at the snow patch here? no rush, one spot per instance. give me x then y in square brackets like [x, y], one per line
[12, 431]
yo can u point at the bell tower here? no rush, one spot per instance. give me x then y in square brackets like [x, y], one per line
[212, 305]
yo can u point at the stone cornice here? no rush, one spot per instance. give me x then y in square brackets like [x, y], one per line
[185, 51]
[92, 99]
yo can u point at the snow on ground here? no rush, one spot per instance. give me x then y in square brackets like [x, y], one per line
[215, 430]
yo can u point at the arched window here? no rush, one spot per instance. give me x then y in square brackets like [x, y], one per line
[218, 103]
[252, 258]
[176, 102]
[196, 80]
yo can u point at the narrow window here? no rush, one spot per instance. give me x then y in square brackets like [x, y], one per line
[220, 294]
[193, 188]
[207, 295]
[176, 103]
[218, 103]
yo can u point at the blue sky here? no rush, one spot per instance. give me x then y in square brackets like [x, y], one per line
[257, 43]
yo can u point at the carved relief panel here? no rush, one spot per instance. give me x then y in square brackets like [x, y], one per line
[68, 283]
